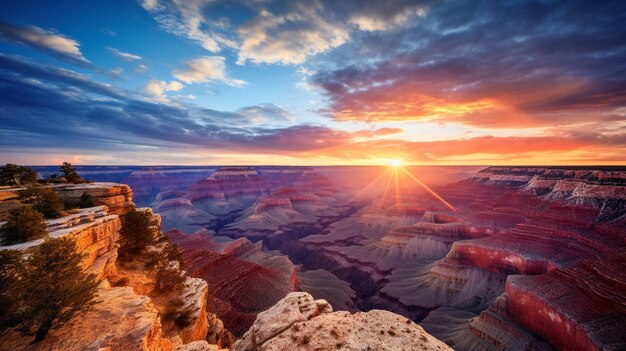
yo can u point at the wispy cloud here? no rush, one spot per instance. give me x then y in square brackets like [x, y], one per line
[280, 32]
[53, 43]
[128, 57]
[206, 69]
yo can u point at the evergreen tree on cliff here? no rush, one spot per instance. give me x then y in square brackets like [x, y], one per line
[11, 264]
[54, 287]
[136, 233]
[70, 174]
[44, 200]
[24, 224]
[12, 174]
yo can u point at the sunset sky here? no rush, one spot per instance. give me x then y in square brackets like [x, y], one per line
[313, 82]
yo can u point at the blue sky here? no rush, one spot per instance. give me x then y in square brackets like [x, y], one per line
[312, 82]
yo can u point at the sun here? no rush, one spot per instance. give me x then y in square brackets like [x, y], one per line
[395, 162]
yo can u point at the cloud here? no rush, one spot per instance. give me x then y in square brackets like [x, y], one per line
[141, 68]
[277, 31]
[266, 114]
[54, 44]
[149, 4]
[206, 69]
[186, 19]
[157, 88]
[128, 57]
[505, 65]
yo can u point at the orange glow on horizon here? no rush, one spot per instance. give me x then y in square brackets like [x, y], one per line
[396, 178]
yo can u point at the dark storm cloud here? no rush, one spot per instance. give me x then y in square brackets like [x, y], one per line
[534, 61]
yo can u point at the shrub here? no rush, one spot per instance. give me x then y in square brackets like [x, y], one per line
[24, 224]
[11, 264]
[44, 200]
[174, 313]
[183, 319]
[12, 174]
[136, 233]
[86, 201]
[169, 277]
[172, 308]
[153, 258]
[54, 287]
[70, 174]
[173, 252]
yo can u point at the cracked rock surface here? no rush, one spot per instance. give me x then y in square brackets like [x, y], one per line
[299, 322]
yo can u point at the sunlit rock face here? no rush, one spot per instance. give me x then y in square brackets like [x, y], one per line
[541, 263]
[128, 317]
[117, 197]
[244, 279]
[300, 322]
[95, 232]
[120, 320]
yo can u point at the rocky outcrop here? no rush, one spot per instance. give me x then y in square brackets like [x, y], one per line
[120, 320]
[127, 318]
[194, 295]
[96, 233]
[244, 279]
[298, 322]
[117, 197]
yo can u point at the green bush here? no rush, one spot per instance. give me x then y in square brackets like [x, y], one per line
[44, 200]
[11, 263]
[176, 314]
[24, 224]
[54, 288]
[169, 278]
[136, 234]
[12, 174]
[70, 174]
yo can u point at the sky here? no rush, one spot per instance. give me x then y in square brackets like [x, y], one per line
[206, 82]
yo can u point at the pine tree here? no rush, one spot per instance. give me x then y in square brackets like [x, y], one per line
[11, 263]
[136, 233]
[12, 174]
[24, 224]
[70, 174]
[54, 287]
[43, 200]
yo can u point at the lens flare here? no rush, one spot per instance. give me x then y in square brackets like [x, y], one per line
[395, 162]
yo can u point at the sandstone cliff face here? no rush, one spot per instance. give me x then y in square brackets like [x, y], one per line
[298, 322]
[95, 232]
[244, 279]
[117, 197]
[122, 318]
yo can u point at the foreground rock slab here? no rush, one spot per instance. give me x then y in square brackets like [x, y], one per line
[298, 322]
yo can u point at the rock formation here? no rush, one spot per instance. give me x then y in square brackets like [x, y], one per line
[298, 322]
[244, 279]
[122, 317]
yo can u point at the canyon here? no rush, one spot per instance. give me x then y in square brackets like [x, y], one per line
[474, 276]
[496, 258]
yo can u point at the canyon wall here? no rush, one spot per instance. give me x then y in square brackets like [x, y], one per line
[123, 317]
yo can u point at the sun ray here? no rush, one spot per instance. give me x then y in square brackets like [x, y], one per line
[429, 190]
[386, 190]
[370, 184]
[395, 174]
